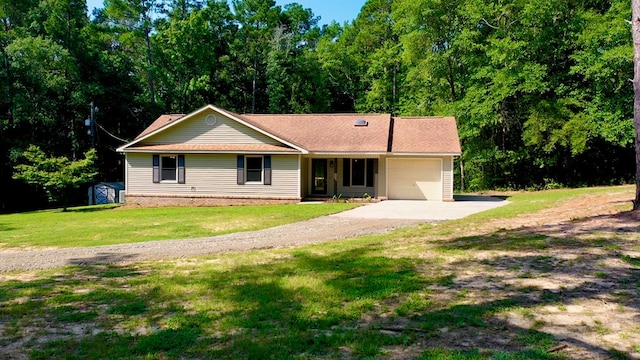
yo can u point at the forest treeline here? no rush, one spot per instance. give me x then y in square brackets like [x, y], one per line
[541, 89]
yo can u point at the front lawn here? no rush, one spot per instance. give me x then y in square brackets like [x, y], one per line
[558, 281]
[107, 225]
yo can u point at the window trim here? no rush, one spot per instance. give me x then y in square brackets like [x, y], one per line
[163, 181]
[369, 169]
[246, 169]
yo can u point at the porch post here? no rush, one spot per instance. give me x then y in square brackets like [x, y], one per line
[334, 176]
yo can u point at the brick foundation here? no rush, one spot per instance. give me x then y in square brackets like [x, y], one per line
[174, 200]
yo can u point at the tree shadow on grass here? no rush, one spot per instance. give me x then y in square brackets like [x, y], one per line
[363, 290]
[103, 258]
[560, 235]
[352, 301]
[581, 262]
[310, 305]
[87, 312]
[90, 209]
[366, 290]
[5, 227]
[480, 198]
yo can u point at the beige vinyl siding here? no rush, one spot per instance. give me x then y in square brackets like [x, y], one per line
[447, 178]
[353, 191]
[213, 175]
[197, 131]
[382, 177]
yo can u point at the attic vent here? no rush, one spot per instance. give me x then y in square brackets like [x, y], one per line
[361, 122]
[211, 119]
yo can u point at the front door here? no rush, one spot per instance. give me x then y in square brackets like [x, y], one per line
[319, 176]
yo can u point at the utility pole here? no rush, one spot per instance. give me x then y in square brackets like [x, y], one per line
[91, 124]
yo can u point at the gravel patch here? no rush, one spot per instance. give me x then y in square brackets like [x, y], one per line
[323, 229]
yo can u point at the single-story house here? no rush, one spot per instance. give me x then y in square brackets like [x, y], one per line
[213, 156]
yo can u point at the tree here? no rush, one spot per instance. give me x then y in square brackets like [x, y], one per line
[635, 7]
[257, 20]
[39, 69]
[433, 53]
[134, 19]
[379, 45]
[342, 65]
[192, 55]
[56, 175]
[295, 82]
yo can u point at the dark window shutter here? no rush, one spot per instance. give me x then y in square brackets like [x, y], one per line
[240, 169]
[156, 168]
[346, 172]
[181, 172]
[267, 169]
[370, 171]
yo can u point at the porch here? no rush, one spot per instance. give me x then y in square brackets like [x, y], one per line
[344, 177]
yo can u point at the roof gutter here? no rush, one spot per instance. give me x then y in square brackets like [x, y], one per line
[346, 154]
[424, 154]
[204, 152]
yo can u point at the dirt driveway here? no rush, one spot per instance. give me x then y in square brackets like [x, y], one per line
[327, 228]
[369, 219]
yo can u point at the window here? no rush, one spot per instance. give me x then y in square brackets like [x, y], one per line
[169, 166]
[254, 169]
[358, 167]
[358, 172]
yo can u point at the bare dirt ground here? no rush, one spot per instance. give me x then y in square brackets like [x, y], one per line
[572, 271]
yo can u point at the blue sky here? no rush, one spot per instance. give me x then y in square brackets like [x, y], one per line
[328, 10]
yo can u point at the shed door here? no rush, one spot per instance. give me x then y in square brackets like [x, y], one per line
[414, 179]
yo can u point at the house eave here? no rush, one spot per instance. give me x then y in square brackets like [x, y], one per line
[346, 153]
[268, 152]
[423, 154]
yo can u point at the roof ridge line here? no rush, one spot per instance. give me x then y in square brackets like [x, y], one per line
[319, 114]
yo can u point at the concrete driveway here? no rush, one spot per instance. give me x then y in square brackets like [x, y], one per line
[464, 205]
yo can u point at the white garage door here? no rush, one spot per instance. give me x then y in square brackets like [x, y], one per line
[414, 179]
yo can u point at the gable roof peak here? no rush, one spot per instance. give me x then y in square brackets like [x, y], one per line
[170, 120]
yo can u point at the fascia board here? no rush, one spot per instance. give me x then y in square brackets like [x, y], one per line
[129, 151]
[260, 130]
[219, 111]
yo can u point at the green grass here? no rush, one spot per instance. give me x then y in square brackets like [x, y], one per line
[336, 300]
[305, 303]
[522, 203]
[631, 260]
[106, 225]
[527, 202]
